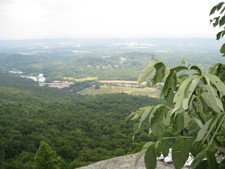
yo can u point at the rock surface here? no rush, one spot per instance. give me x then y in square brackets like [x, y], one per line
[124, 162]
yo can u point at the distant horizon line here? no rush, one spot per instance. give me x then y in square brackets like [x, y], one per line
[66, 38]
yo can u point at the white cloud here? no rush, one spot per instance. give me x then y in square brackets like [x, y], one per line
[104, 18]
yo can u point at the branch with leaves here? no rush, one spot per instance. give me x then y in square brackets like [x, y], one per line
[219, 21]
[189, 97]
[191, 100]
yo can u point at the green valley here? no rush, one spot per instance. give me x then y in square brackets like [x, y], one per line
[76, 95]
[81, 129]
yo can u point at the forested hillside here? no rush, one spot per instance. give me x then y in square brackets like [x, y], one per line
[81, 129]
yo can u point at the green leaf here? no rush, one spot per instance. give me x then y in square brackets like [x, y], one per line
[139, 155]
[163, 147]
[196, 147]
[198, 158]
[156, 124]
[158, 130]
[179, 96]
[158, 147]
[217, 82]
[137, 113]
[142, 152]
[187, 120]
[166, 147]
[216, 8]
[198, 122]
[161, 71]
[166, 118]
[146, 72]
[180, 68]
[180, 152]
[202, 165]
[178, 123]
[201, 105]
[222, 21]
[222, 10]
[170, 83]
[155, 108]
[214, 95]
[221, 72]
[219, 5]
[213, 10]
[152, 114]
[222, 49]
[210, 101]
[211, 126]
[216, 21]
[136, 116]
[145, 115]
[220, 35]
[219, 122]
[150, 158]
[213, 68]
[211, 159]
[202, 132]
[197, 69]
[189, 91]
[135, 129]
[169, 97]
[183, 76]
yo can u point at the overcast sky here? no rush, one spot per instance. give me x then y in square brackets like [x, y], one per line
[31, 19]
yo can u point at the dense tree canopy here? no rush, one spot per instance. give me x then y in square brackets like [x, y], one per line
[80, 129]
[46, 157]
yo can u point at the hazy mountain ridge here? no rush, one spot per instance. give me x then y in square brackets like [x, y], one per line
[101, 58]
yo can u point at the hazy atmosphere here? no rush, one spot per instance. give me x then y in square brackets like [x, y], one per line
[94, 84]
[26, 19]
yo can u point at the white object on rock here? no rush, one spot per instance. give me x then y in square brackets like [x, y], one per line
[189, 160]
[168, 159]
[161, 157]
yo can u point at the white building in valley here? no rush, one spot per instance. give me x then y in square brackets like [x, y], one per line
[39, 78]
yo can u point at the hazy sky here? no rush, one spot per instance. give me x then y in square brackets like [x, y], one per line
[26, 19]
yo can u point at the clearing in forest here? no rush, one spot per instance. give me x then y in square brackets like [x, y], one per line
[105, 89]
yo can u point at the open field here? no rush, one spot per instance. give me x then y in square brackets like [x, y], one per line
[80, 80]
[151, 92]
[119, 81]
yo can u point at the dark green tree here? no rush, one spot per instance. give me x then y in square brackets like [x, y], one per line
[46, 157]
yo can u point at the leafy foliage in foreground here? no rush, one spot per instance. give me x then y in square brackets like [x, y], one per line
[191, 99]
[80, 129]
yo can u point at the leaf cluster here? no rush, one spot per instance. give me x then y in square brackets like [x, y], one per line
[219, 21]
[191, 100]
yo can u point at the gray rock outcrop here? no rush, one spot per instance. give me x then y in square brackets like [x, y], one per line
[124, 162]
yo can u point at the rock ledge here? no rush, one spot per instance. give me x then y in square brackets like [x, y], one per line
[124, 162]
